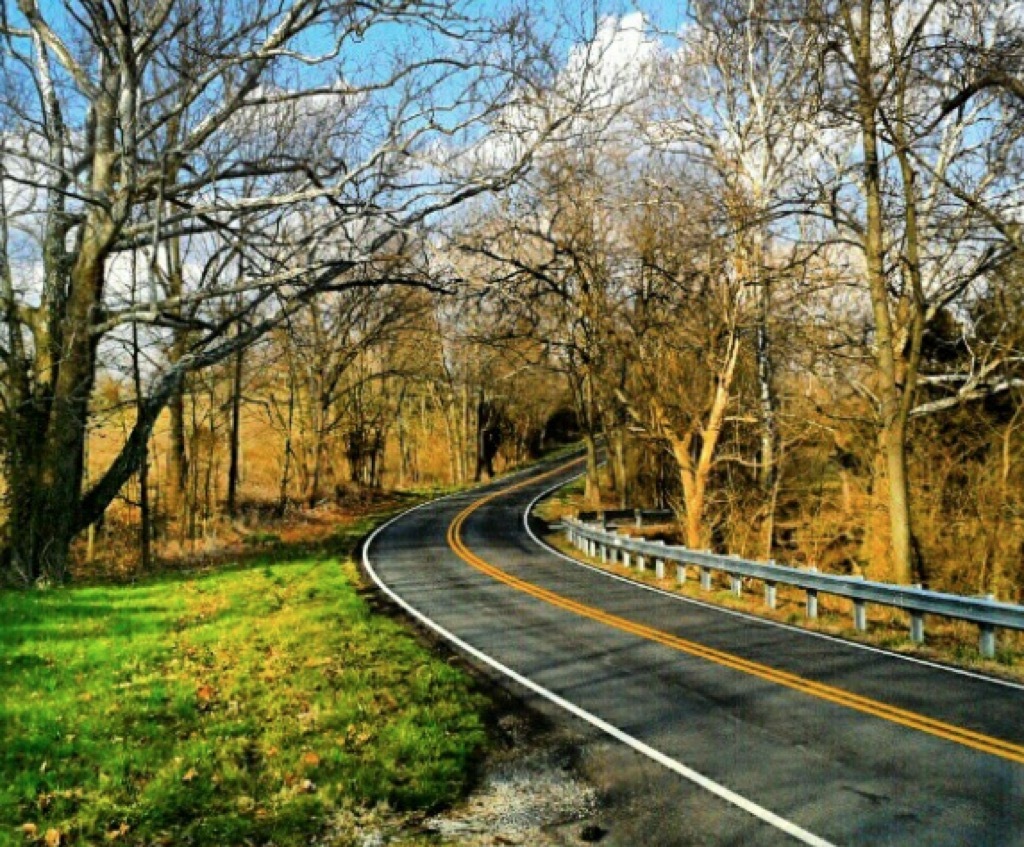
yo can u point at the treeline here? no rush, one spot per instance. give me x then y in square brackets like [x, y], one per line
[767, 258]
[361, 392]
[783, 279]
[181, 181]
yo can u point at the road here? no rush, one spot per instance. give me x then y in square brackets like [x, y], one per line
[767, 734]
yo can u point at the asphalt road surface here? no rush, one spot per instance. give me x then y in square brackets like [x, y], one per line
[757, 733]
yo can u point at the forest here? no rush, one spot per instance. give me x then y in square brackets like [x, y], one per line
[760, 257]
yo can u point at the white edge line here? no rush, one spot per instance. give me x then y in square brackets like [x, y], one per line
[682, 598]
[709, 785]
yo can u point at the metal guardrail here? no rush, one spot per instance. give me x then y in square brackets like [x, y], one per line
[986, 613]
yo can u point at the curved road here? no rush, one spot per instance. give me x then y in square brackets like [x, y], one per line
[766, 734]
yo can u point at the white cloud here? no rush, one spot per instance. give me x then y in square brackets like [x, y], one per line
[592, 98]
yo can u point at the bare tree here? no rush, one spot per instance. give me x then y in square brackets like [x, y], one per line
[551, 264]
[209, 130]
[922, 247]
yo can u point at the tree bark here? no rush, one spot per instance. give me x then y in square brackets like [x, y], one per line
[177, 460]
[59, 485]
[592, 484]
[892, 424]
[235, 434]
[766, 391]
[694, 452]
[145, 513]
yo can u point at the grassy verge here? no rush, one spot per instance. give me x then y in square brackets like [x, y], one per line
[245, 706]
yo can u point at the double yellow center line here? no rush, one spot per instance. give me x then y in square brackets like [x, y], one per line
[949, 732]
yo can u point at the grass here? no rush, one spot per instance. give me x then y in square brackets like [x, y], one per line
[243, 706]
[561, 502]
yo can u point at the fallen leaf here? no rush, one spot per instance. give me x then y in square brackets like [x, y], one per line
[53, 838]
[29, 830]
[205, 692]
[310, 759]
[189, 775]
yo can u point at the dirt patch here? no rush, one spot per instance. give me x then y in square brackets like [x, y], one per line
[530, 792]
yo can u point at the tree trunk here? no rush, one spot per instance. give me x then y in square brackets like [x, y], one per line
[41, 548]
[621, 471]
[892, 427]
[286, 463]
[592, 483]
[693, 479]
[235, 434]
[177, 458]
[66, 368]
[177, 461]
[25, 494]
[902, 540]
[583, 402]
[145, 515]
[313, 489]
[766, 389]
[694, 493]
[696, 460]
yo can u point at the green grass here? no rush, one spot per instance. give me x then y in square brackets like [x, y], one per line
[243, 706]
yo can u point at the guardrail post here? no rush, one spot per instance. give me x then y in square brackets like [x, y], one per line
[681, 573]
[987, 636]
[705, 578]
[659, 564]
[987, 641]
[604, 554]
[812, 603]
[737, 584]
[917, 627]
[860, 615]
[770, 596]
[626, 558]
[639, 517]
[641, 563]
